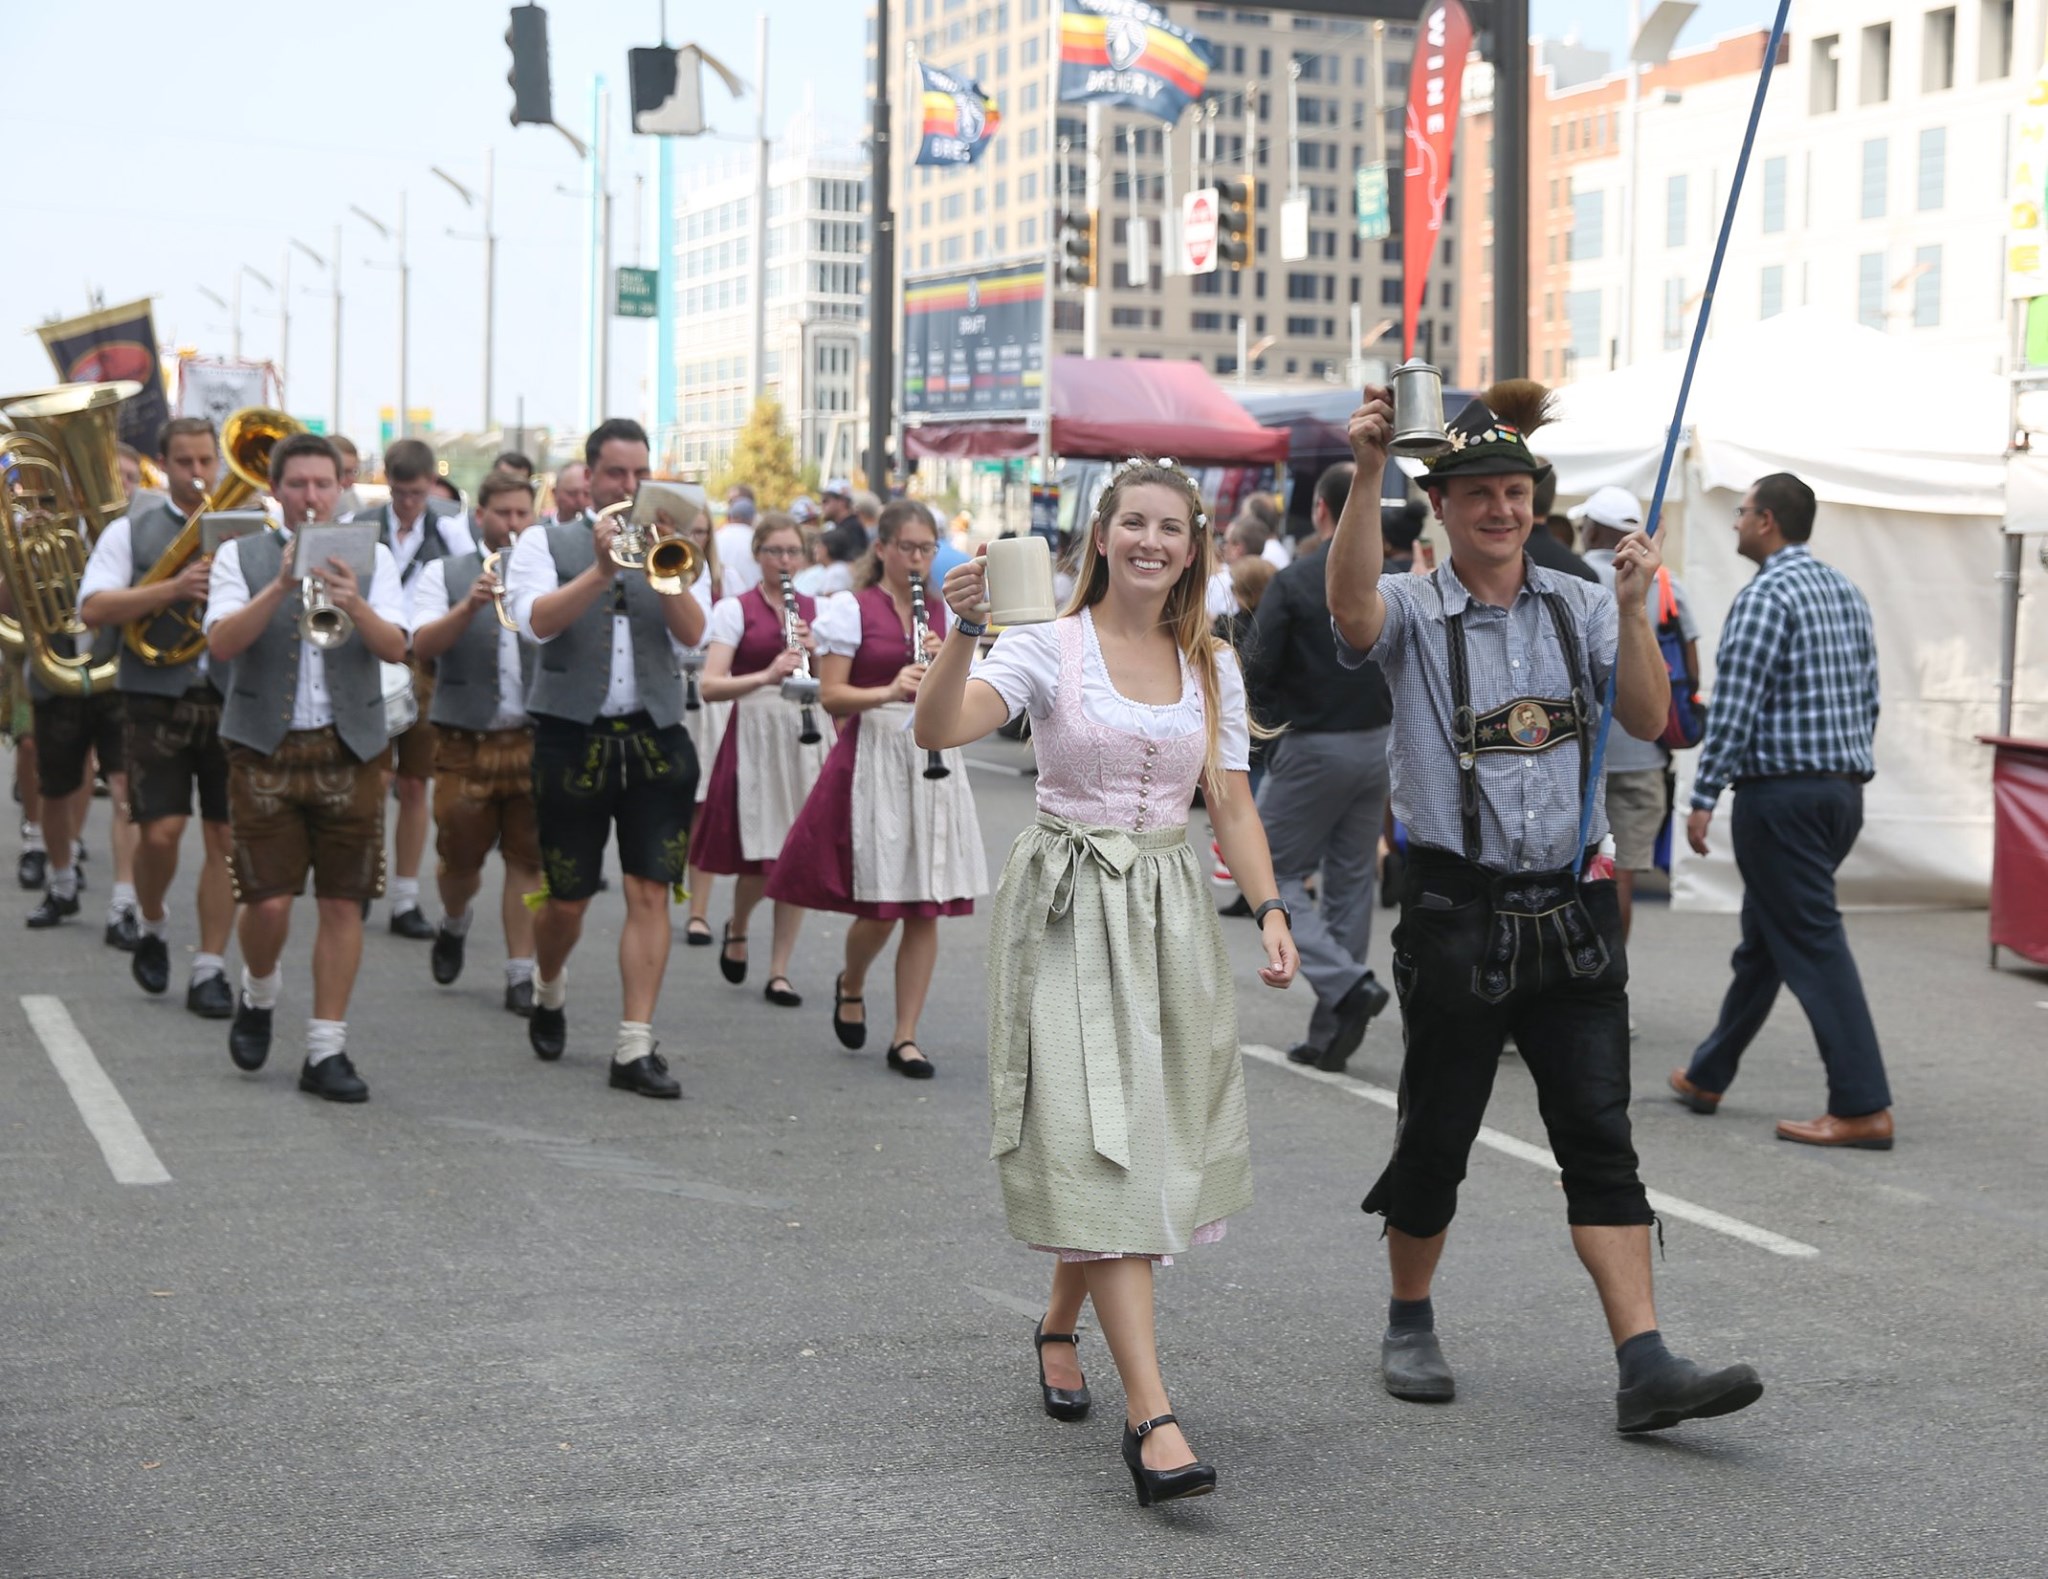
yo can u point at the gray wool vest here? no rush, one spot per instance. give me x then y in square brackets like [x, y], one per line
[575, 669]
[431, 545]
[466, 675]
[151, 531]
[260, 685]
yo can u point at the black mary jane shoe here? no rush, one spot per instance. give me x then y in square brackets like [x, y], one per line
[1062, 1403]
[918, 1068]
[851, 1033]
[733, 970]
[1163, 1485]
[697, 933]
[784, 996]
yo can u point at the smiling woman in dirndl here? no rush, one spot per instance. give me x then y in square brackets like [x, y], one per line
[1116, 1086]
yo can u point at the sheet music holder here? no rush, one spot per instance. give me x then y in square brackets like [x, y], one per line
[224, 526]
[354, 545]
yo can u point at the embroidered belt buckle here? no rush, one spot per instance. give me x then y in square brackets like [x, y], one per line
[1528, 725]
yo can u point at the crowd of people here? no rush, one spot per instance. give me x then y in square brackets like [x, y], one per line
[793, 718]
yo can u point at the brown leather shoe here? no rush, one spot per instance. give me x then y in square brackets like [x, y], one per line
[1707, 1102]
[1867, 1132]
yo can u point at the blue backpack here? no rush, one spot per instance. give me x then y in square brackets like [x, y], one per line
[1686, 724]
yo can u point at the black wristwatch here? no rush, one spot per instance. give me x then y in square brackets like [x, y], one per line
[1259, 915]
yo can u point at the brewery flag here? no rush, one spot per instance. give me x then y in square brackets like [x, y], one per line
[1129, 54]
[109, 345]
[959, 120]
[1444, 39]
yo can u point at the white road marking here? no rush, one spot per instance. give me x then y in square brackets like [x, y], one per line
[130, 1157]
[1539, 1156]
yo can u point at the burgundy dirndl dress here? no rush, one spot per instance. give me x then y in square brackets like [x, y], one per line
[934, 837]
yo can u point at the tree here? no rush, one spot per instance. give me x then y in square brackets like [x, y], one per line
[763, 457]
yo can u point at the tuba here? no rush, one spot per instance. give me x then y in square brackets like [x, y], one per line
[42, 558]
[77, 423]
[177, 635]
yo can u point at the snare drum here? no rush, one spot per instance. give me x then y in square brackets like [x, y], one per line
[401, 707]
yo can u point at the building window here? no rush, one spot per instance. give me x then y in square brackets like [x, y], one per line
[1933, 167]
[1589, 212]
[1870, 290]
[1674, 312]
[1874, 79]
[1771, 297]
[1938, 50]
[1874, 165]
[1390, 291]
[1774, 195]
[1824, 76]
[1583, 309]
[1926, 287]
[1674, 211]
[1994, 40]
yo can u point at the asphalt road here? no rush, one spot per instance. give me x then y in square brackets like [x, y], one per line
[505, 1321]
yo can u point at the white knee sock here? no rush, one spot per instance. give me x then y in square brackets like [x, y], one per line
[206, 965]
[64, 881]
[261, 991]
[404, 893]
[31, 836]
[636, 1040]
[159, 928]
[518, 970]
[325, 1038]
[455, 926]
[551, 994]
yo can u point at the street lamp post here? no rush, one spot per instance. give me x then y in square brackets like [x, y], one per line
[404, 303]
[284, 316]
[490, 241]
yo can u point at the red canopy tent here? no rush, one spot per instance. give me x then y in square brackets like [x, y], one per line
[1112, 407]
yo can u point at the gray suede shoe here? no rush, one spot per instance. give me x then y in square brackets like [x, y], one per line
[1414, 1368]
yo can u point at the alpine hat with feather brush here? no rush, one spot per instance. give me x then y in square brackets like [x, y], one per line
[1490, 437]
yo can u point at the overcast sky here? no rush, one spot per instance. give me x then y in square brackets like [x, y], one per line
[156, 149]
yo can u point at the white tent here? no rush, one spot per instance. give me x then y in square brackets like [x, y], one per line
[1906, 453]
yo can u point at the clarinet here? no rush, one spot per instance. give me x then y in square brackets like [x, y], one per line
[799, 687]
[934, 764]
[693, 698]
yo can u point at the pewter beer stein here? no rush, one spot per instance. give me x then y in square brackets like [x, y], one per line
[1418, 411]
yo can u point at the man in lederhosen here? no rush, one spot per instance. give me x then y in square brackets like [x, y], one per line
[307, 752]
[419, 531]
[483, 756]
[608, 745]
[171, 730]
[1496, 668]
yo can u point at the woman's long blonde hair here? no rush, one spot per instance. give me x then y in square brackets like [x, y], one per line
[1185, 614]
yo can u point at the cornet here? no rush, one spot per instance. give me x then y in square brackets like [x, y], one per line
[670, 563]
[492, 562]
[800, 687]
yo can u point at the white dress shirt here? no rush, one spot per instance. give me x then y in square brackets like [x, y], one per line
[228, 593]
[430, 602]
[112, 565]
[406, 540]
[529, 576]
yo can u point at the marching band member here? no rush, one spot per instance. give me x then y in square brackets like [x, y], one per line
[483, 751]
[418, 534]
[171, 738]
[609, 746]
[705, 720]
[307, 749]
[764, 769]
[1115, 1079]
[17, 727]
[878, 840]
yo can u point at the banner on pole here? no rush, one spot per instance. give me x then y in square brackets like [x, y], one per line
[1432, 127]
[1375, 211]
[107, 346]
[2026, 242]
[1129, 54]
[974, 344]
[959, 121]
[1293, 229]
[215, 389]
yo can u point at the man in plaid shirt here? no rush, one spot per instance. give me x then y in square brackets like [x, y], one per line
[1794, 709]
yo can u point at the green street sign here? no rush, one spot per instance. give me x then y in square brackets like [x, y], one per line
[1375, 213]
[634, 294]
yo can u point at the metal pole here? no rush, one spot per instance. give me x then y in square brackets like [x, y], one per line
[1511, 189]
[284, 328]
[882, 269]
[1136, 249]
[665, 304]
[404, 326]
[1091, 296]
[1244, 347]
[757, 321]
[603, 390]
[2009, 572]
[1375, 96]
[1169, 217]
[336, 401]
[236, 313]
[490, 291]
[1631, 112]
[1293, 128]
[1055, 208]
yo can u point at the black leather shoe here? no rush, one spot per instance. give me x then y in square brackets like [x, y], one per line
[446, 959]
[1354, 1013]
[697, 933]
[1163, 1485]
[645, 1076]
[1062, 1403]
[851, 1033]
[333, 1080]
[1304, 1053]
[124, 932]
[1683, 1391]
[249, 1036]
[547, 1032]
[53, 910]
[32, 871]
[1413, 1366]
[211, 998]
[151, 965]
[519, 998]
[784, 996]
[733, 970]
[918, 1068]
[409, 923]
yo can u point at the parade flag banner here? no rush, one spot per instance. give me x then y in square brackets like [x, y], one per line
[959, 122]
[106, 346]
[216, 389]
[1433, 86]
[1129, 54]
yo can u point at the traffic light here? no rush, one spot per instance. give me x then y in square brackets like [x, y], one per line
[1078, 252]
[532, 98]
[1234, 225]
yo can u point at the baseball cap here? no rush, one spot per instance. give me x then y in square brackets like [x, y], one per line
[740, 512]
[839, 485]
[801, 509]
[1611, 507]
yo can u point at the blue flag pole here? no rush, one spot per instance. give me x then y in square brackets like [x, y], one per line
[1692, 362]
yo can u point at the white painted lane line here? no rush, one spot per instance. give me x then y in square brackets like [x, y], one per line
[1539, 1156]
[130, 1157]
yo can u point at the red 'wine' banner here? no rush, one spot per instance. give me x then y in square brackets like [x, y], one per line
[1443, 42]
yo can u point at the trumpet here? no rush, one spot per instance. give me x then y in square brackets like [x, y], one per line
[670, 563]
[321, 624]
[491, 564]
[800, 687]
[920, 636]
